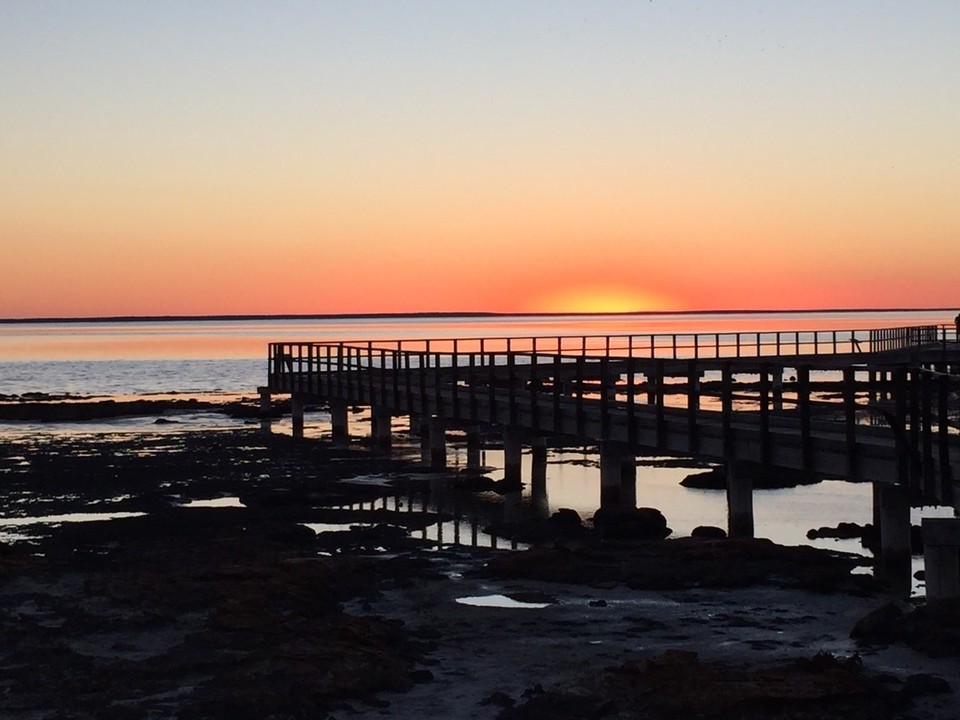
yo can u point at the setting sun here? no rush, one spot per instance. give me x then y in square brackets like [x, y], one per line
[599, 299]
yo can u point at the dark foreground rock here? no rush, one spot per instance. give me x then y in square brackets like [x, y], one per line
[244, 612]
[149, 616]
[677, 684]
[84, 409]
[171, 611]
[932, 628]
[687, 563]
[642, 523]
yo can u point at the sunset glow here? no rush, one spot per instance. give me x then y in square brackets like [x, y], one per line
[320, 157]
[599, 299]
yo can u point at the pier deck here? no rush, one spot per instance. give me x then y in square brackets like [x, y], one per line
[878, 405]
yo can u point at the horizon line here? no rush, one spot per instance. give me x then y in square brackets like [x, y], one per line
[240, 317]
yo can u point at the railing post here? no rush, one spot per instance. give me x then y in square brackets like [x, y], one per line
[534, 388]
[455, 371]
[850, 418]
[764, 393]
[369, 370]
[659, 398]
[581, 420]
[490, 360]
[943, 426]
[604, 398]
[804, 402]
[437, 382]
[915, 425]
[557, 384]
[693, 405]
[926, 414]
[422, 366]
[631, 403]
[472, 384]
[726, 407]
[512, 384]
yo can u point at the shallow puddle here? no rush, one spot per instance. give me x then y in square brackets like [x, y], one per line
[501, 601]
[215, 503]
[67, 518]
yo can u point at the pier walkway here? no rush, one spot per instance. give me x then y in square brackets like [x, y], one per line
[879, 405]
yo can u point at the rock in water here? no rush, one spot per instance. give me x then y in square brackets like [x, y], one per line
[631, 523]
[709, 532]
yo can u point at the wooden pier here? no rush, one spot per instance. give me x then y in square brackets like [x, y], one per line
[878, 405]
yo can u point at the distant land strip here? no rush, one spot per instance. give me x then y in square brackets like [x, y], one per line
[431, 315]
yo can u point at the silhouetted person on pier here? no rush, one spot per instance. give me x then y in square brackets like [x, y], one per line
[956, 323]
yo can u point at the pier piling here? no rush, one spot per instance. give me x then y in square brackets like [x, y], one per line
[941, 558]
[739, 502]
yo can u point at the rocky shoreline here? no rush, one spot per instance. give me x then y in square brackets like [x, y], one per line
[178, 609]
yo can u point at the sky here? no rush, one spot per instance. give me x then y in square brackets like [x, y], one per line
[224, 157]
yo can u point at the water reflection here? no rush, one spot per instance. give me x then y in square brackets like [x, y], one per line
[451, 518]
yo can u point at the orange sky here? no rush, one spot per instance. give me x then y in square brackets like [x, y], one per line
[315, 158]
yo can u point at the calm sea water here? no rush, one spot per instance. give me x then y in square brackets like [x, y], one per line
[119, 359]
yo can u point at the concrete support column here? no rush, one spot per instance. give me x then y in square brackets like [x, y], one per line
[473, 449]
[423, 430]
[512, 455]
[610, 387]
[777, 388]
[416, 424]
[652, 383]
[513, 506]
[538, 463]
[266, 407]
[739, 502]
[893, 514]
[380, 428]
[941, 558]
[338, 422]
[618, 475]
[296, 413]
[438, 443]
[628, 481]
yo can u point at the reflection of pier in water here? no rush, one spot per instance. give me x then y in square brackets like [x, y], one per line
[447, 519]
[878, 406]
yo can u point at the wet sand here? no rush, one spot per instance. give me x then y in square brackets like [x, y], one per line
[207, 611]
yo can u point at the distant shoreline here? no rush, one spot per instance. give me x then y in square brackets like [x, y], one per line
[438, 315]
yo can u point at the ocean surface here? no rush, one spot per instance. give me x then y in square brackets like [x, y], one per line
[200, 358]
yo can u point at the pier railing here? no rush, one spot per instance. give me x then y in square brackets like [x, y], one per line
[305, 356]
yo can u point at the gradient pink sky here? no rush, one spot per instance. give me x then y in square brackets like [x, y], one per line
[329, 157]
